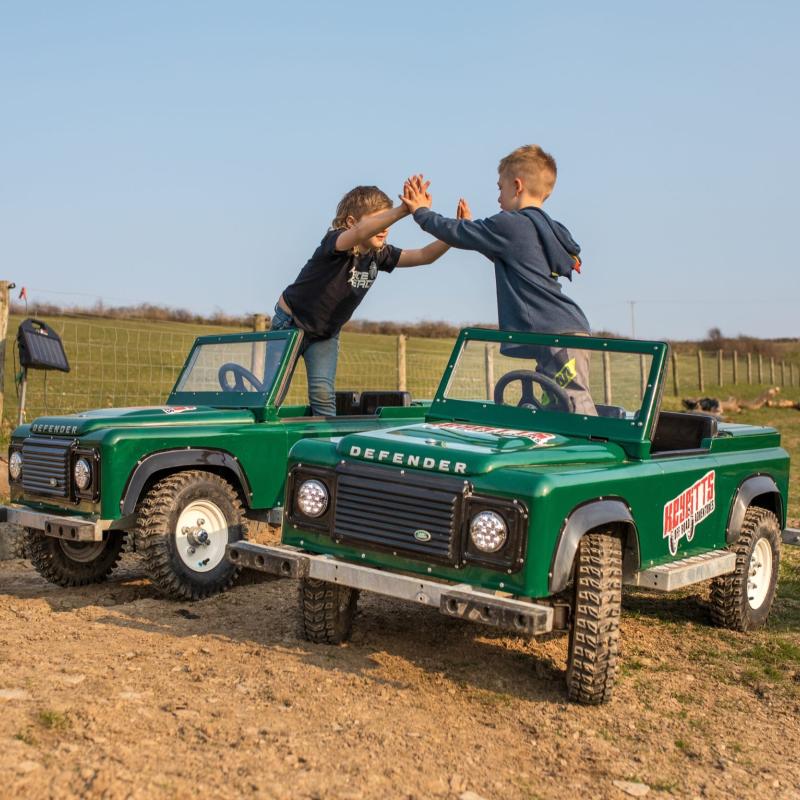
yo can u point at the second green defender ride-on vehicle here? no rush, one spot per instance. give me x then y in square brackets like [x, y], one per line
[178, 482]
[507, 507]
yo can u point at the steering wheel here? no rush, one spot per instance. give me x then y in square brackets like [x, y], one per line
[239, 374]
[527, 377]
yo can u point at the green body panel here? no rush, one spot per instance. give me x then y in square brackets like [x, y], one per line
[258, 438]
[553, 470]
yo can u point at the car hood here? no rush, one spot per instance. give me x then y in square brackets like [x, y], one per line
[87, 421]
[460, 448]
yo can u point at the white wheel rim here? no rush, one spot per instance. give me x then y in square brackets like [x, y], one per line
[759, 576]
[201, 535]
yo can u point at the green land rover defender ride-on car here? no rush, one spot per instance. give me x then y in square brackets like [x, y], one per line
[180, 481]
[506, 507]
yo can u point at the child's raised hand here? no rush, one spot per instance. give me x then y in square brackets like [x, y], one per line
[463, 210]
[415, 193]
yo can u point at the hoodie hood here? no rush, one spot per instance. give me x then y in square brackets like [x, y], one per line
[460, 448]
[560, 249]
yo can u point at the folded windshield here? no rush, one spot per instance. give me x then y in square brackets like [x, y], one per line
[245, 366]
[564, 379]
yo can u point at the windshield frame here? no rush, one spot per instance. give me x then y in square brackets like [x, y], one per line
[270, 398]
[636, 433]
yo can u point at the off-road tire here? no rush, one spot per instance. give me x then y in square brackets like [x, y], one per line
[157, 516]
[50, 558]
[730, 606]
[327, 611]
[594, 631]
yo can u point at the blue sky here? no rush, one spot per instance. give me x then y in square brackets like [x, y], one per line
[192, 153]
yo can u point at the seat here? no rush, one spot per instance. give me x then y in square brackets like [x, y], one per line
[678, 431]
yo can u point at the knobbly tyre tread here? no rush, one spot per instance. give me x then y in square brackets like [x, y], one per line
[728, 598]
[152, 531]
[594, 633]
[55, 566]
[327, 611]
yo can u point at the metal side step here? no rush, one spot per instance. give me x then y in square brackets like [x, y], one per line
[685, 572]
[791, 536]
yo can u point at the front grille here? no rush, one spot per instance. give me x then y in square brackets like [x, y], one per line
[383, 509]
[45, 466]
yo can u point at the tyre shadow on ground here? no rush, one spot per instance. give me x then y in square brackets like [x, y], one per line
[666, 607]
[391, 641]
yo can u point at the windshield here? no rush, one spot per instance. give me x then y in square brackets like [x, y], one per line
[568, 380]
[244, 366]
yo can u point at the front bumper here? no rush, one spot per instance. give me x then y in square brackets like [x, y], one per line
[75, 529]
[453, 600]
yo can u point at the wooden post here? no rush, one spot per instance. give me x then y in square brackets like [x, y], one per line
[258, 356]
[791, 374]
[401, 362]
[772, 370]
[488, 356]
[606, 378]
[783, 373]
[642, 377]
[719, 367]
[4, 307]
[749, 368]
[675, 381]
[735, 367]
[760, 368]
[700, 381]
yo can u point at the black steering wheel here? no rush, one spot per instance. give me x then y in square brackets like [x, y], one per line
[559, 399]
[239, 374]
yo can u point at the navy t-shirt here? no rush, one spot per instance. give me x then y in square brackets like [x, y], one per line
[330, 286]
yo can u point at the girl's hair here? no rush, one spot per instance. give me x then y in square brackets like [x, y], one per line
[357, 202]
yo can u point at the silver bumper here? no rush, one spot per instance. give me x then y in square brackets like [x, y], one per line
[453, 600]
[75, 529]
[791, 536]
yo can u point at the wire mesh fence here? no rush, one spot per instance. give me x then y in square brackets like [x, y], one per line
[123, 363]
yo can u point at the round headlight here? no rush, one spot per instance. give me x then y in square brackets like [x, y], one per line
[15, 465]
[312, 498]
[83, 473]
[488, 531]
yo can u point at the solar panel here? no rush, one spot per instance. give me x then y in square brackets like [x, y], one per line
[40, 346]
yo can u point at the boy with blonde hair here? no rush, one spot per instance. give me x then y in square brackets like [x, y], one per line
[531, 252]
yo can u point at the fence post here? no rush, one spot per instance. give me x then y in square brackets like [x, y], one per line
[783, 373]
[735, 367]
[791, 374]
[258, 355]
[675, 381]
[259, 322]
[488, 355]
[606, 378]
[642, 377]
[760, 368]
[772, 370]
[749, 368]
[719, 367]
[4, 288]
[401, 362]
[700, 381]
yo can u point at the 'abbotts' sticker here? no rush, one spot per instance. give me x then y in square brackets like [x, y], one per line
[684, 513]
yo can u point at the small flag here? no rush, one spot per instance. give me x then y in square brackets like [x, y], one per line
[23, 293]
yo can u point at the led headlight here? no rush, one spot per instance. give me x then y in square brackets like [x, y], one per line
[488, 531]
[15, 465]
[312, 498]
[83, 474]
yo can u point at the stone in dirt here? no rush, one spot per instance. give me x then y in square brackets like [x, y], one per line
[631, 788]
[470, 796]
[14, 694]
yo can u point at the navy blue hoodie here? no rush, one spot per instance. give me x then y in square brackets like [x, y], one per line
[530, 252]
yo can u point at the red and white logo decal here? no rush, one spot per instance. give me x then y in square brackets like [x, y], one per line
[537, 437]
[178, 409]
[688, 510]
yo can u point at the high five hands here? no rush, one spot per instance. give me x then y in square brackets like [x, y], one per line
[416, 195]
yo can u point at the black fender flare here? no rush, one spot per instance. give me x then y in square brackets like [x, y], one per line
[748, 490]
[581, 520]
[171, 460]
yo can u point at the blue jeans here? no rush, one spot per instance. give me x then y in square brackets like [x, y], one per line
[321, 357]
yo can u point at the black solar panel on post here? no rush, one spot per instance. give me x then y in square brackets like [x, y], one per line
[40, 347]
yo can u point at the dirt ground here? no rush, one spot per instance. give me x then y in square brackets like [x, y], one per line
[112, 692]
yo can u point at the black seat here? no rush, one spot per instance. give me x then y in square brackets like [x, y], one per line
[677, 430]
[348, 403]
[372, 401]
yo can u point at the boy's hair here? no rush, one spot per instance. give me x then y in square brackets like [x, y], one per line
[534, 166]
[357, 202]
